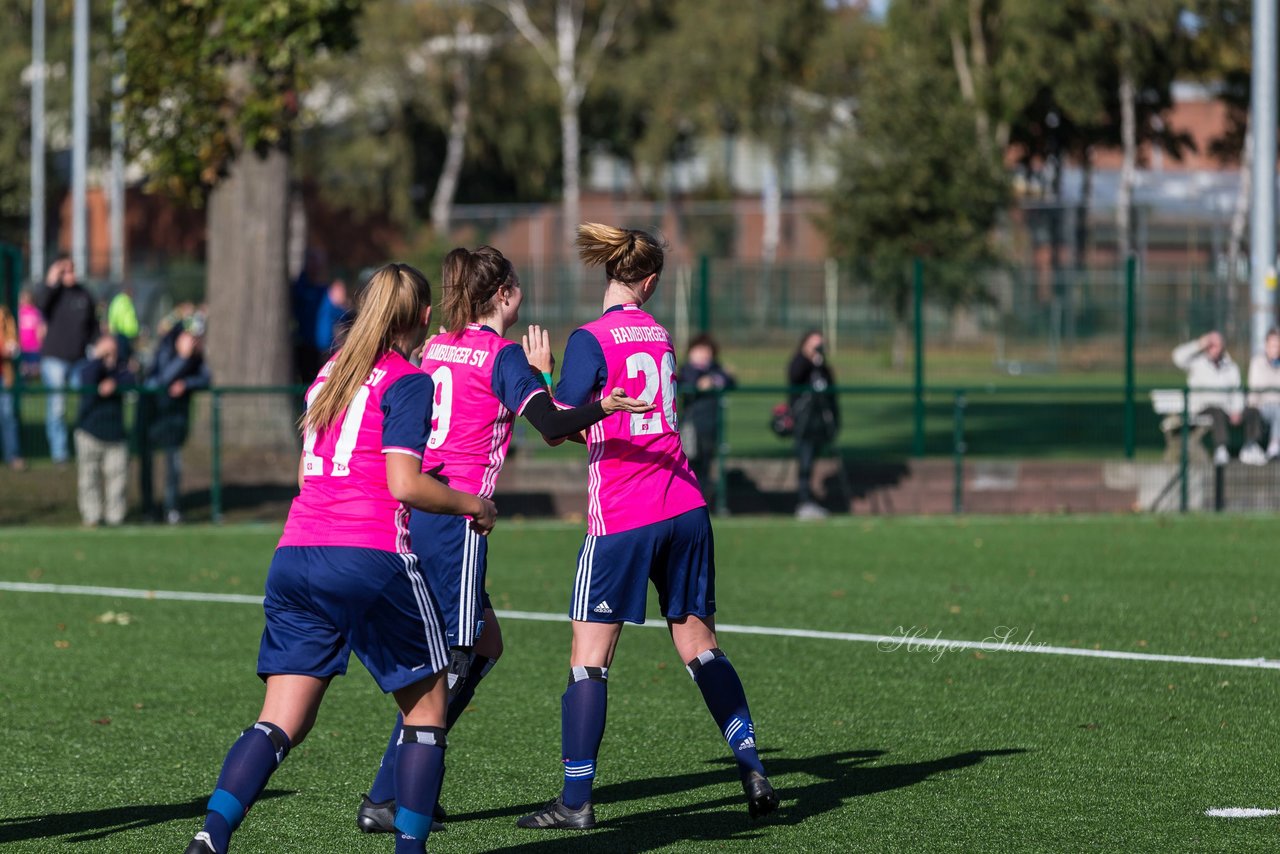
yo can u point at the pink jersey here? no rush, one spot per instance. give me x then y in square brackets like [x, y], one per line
[29, 321]
[344, 499]
[477, 396]
[637, 472]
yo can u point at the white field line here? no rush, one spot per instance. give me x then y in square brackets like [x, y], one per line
[884, 642]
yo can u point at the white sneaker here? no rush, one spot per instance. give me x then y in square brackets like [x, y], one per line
[1273, 451]
[809, 510]
[1220, 456]
[1253, 455]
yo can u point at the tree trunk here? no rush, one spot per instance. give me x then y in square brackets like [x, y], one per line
[771, 199]
[1129, 164]
[459, 119]
[1239, 219]
[1082, 209]
[248, 293]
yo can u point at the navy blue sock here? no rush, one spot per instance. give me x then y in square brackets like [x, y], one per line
[582, 716]
[419, 770]
[722, 692]
[461, 696]
[384, 784]
[249, 764]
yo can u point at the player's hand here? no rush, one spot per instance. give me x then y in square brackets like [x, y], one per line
[416, 355]
[483, 522]
[617, 400]
[537, 348]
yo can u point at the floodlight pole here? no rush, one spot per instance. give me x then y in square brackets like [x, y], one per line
[1262, 239]
[80, 139]
[37, 238]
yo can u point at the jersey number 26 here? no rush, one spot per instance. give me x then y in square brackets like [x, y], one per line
[655, 381]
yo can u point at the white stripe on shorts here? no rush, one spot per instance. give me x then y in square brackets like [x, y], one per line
[467, 586]
[434, 632]
[582, 581]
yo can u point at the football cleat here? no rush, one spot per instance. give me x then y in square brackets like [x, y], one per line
[200, 845]
[380, 817]
[761, 799]
[556, 815]
[376, 816]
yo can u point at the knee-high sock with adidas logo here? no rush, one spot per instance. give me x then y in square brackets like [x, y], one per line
[419, 769]
[722, 692]
[582, 717]
[384, 784]
[250, 762]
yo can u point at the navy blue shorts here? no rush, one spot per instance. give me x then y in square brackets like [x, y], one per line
[677, 555]
[324, 602]
[454, 559]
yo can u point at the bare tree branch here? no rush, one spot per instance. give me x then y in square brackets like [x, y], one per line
[518, 14]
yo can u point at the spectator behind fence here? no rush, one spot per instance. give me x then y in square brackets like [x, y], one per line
[71, 325]
[701, 380]
[30, 335]
[10, 354]
[308, 296]
[102, 453]
[332, 314]
[1264, 393]
[178, 370]
[1214, 380]
[122, 322]
[816, 412]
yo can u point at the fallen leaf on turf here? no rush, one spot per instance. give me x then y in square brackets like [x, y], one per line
[103, 721]
[61, 644]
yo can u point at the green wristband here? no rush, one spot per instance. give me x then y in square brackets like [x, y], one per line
[546, 378]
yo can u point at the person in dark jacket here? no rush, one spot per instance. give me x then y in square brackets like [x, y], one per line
[179, 369]
[816, 412]
[102, 453]
[701, 380]
[71, 321]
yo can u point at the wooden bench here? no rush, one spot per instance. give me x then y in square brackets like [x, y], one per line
[1168, 402]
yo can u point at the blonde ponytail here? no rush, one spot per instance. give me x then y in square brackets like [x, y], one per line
[628, 255]
[390, 306]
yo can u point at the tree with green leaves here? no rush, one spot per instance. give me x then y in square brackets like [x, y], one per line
[211, 105]
[915, 183]
[777, 73]
[572, 45]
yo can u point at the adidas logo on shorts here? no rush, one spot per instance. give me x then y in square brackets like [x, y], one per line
[603, 608]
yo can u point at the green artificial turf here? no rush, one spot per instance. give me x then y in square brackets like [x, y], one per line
[114, 727]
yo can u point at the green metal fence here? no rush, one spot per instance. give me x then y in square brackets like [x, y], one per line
[901, 449]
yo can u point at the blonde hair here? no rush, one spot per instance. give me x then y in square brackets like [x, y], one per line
[628, 255]
[470, 279]
[390, 306]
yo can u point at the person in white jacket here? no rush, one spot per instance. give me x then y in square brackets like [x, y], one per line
[1214, 379]
[1264, 391]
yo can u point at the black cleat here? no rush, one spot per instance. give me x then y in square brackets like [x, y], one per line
[555, 815]
[380, 817]
[376, 816]
[200, 845]
[761, 799]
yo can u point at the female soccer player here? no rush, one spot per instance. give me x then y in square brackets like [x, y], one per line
[646, 520]
[343, 576]
[482, 381]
